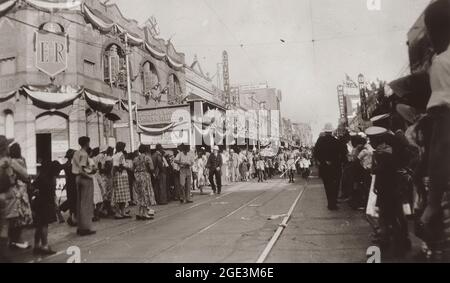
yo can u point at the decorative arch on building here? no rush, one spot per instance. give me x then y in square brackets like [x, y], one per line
[174, 89]
[150, 82]
[53, 25]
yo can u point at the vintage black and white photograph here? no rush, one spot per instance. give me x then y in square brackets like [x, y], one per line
[224, 132]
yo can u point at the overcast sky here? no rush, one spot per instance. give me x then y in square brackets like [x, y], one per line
[348, 38]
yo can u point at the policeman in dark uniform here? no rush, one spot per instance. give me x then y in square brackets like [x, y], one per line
[329, 155]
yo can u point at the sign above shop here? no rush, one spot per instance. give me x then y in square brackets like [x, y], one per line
[51, 52]
[168, 115]
[167, 138]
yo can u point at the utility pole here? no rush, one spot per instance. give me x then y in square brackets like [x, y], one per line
[130, 103]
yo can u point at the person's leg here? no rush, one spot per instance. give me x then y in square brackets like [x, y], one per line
[163, 188]
[37, 237]
[219, 181]
[44, 236]
[182, 187]
[188, 187]
[211, 181]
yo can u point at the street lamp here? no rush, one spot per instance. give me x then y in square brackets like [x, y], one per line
[362, 94]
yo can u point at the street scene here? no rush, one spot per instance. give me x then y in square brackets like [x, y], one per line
[223, 131]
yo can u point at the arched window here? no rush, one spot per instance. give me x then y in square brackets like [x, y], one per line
[9, 124]
[150, 82]
[114, 67]
[174, 96]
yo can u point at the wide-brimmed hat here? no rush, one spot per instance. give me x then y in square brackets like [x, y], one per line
[215, 147]
[328, 128]
[376, 131]
[5, 142]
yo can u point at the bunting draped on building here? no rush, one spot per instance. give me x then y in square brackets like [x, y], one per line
[99, 102]
[7, 96]
[101, 24]
[124, 105]
[159, 131]
[4, 7]
[52, 96]
[53, 6]
[107, 25]
[158, 54]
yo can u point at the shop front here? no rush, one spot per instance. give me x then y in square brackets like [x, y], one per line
[169, 126]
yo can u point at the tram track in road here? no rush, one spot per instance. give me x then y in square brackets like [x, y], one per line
[136, 227]
[281, 227]
[204, 229]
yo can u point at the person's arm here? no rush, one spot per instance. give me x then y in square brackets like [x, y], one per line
[20, 170]
[177, 159]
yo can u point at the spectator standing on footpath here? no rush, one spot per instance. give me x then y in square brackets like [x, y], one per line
[161, 166]
[214, 166]
[185, 160]
[328, 155]
[85, 188]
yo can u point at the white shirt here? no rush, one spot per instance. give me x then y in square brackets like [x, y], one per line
[440, 80]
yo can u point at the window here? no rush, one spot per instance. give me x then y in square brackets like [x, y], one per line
[9, 124]
[89, 68]
[7, 66]
[114, 67]
[174, 96]
[150, 81]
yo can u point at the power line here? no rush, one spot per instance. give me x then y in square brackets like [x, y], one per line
[235, 37]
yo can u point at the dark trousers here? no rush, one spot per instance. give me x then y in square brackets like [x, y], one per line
[330, 177]
[71, 203]
[260, 175]
[162, 189]
[393, 221]
[217, 175]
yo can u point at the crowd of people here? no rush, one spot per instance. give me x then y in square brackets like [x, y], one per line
[398, 170]
[106, 183]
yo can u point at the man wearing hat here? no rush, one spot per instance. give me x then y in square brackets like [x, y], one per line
[185, 160]
[329, 154]
[161, 165]
[390, 158]
[214, 166]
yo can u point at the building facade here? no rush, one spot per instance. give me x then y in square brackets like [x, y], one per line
[64, 74]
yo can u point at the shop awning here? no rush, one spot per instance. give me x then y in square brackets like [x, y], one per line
[99, 102]
[53, 97]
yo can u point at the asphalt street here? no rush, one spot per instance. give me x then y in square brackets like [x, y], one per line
[234, 227]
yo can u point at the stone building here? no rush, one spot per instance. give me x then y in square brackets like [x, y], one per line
[63, 74]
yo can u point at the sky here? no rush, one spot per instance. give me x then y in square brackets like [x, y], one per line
[323, 40]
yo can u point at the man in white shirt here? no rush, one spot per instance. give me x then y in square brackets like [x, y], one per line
[185, 160]
[437, 21]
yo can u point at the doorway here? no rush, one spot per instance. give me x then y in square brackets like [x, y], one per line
[43, 148]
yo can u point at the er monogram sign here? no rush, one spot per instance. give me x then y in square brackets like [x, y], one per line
[51, 52]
